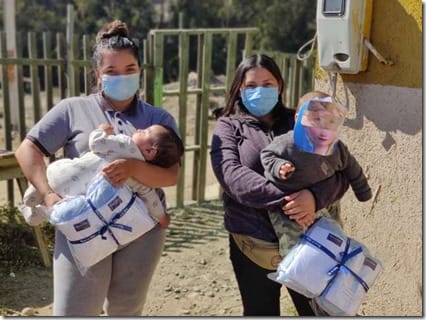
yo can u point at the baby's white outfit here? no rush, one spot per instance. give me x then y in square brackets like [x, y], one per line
[71, 177]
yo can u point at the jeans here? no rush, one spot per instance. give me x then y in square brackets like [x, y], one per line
[260, 295]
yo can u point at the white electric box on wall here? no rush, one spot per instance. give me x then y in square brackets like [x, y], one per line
[342, 26]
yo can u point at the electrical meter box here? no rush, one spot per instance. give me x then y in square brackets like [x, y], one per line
[342, 26]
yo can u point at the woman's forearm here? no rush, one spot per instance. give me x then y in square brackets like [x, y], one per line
[118, 171]
[32, 163]
[154, 176]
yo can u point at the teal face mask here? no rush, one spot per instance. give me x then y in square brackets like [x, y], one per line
[260, 101]
[121, 87]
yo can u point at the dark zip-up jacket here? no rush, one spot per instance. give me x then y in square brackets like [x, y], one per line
[235, 156]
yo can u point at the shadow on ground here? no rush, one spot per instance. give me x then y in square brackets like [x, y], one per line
[30, 284]
[195, 224]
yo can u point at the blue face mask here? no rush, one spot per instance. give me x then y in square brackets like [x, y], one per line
[260, 101]
[121, 87]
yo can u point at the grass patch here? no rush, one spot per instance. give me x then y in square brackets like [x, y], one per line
[18, 247]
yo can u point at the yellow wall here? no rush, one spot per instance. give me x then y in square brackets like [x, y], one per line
[383, 130]
[396, 33]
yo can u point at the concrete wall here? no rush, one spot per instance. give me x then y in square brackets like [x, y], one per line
[384, 132]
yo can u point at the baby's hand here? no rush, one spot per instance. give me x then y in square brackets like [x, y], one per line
[107, 128]
[164, 221]
[285, 170]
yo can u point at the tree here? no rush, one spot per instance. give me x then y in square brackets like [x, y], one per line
[284, 25]
[139, 15]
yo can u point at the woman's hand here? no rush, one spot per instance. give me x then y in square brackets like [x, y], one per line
[117, 172]
[300, 207]
[109, 129]
[51, 198]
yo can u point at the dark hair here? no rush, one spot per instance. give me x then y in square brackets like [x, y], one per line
[113, 35]
[169, 148]
[233, 100]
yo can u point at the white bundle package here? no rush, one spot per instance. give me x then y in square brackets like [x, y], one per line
[327, 265]
[96, 224]
[304, 269]
[345, 292]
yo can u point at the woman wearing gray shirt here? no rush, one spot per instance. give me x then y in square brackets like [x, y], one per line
[120, 282]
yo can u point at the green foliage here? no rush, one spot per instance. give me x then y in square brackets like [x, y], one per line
[285, 25]
[18, 248]
[93, 14]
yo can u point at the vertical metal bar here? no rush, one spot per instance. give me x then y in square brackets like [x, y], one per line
[62, 84]
[148, 70]
[286, 73]
[76, 69]
[183, 88]
[47, 45]
[291, 74]
[6, 112]
[311, 72]
[21, 93]
[248, 45]
[204, 114]
[87, 70]
[70, 51]
[158, 68]
[196, 159]
[299, 79]
[35, 81]
[231, 58]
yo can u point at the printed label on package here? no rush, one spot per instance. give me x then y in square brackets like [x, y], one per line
[370, 263]
[335, 239]
[82, 225]
[115, 203]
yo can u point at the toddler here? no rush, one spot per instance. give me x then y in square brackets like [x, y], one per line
[310, 153]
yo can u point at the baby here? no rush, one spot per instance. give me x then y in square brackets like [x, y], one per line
[157, 144]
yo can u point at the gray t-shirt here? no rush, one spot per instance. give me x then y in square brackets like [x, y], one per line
[70, 122]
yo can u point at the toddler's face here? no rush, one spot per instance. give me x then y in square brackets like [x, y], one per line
[319, 126]
[322, 137]
[145, 139]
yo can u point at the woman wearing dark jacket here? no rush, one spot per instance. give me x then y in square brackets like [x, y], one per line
[253, 115]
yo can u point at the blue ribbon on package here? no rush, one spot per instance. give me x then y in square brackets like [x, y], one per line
[108, 225]
[345, 256]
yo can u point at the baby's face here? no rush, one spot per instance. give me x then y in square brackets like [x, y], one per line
[145, 139]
